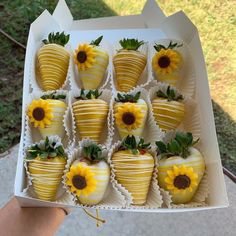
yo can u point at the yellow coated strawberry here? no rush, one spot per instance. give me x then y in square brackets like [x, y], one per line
[129, 64]
[166, 63]
[181, 172]
[46, 170]
[90, 117]
[53, 62]
[92, 62]
[168, 110]
[47, 114]
[133, 170]
[88, 177]
[130, 114]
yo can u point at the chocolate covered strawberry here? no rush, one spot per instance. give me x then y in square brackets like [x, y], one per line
[167, 62]
[168, 108]
[53, 61]
[133, 167]
[129, 64]
[47, 114]
[130, 113]
[88, 177]
[92, 62]
[90, 114]
[46, 162]
[181, 167]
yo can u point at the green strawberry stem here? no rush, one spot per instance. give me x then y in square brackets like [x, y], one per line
[131, 44]
[97, 41]
[53, 96]
[130, 143]
[128, 97]
[57, 38]
[93, 152]
[170, 94]
[91, 94]
[46, 149]
[178, 146]
[171, 45]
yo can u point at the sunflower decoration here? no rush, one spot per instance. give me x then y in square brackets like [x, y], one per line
[181, 179]
[166, 60]
[129, 116]
[81, 180]
[40, 113]
[84, 56]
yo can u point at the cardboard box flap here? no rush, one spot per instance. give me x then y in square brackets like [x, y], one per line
[63, 15]
[179, 26]
[38, 29]
[152, 14]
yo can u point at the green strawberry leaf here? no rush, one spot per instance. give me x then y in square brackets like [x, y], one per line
[97, 41]
[179, 145]
[128, 97]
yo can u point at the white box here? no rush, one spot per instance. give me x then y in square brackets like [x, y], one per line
[176, 26]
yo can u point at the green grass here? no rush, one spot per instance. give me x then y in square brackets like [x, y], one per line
[215, 20]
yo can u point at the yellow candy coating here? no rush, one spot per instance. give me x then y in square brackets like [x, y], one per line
[129, 66]
[46, 176]
[90, 117]
[92, 77]
[168, 114]
[53, 63]
[195, 160]
[134, 172]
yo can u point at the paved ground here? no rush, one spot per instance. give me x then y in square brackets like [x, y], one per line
[205, 223]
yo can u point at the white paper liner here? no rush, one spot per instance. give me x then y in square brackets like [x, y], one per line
[105, 83]
[29, 191]
[34, 73]
[199, 198]
[113, 198]
[151, 132]
[191, 120]
[154, 197]
[106, 135]
[32, 134]
[145, 77]
[187, 82]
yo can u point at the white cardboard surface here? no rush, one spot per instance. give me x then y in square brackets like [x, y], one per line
[177, 26]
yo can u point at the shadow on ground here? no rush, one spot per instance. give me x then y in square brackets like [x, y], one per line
[226, 134]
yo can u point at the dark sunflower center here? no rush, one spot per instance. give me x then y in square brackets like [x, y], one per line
[128, 118]
[182, 181]
[79, 182]
[38, 113]
[164, 61]
[81, 56]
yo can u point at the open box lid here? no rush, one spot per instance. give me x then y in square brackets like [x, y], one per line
[176, 26]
